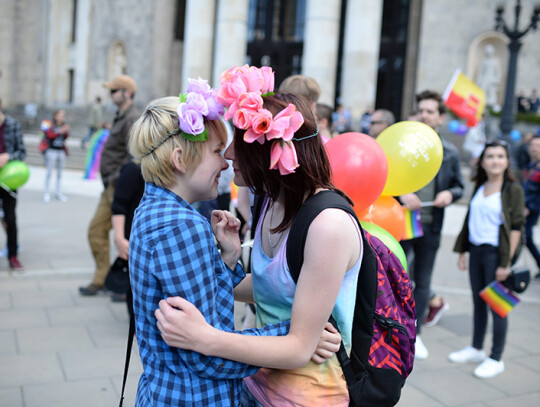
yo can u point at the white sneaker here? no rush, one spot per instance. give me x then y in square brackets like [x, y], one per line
[467, 355]
[489, 368]
[421, 351]
[46, 198]
[61, 197]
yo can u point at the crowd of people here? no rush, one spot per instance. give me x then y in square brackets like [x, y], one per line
[166, 175]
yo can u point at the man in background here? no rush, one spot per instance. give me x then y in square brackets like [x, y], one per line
[380, 120]
[115, 155]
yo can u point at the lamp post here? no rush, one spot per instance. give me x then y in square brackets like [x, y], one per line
[514, 35]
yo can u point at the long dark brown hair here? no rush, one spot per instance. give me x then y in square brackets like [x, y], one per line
[481, 176]
[313, 173]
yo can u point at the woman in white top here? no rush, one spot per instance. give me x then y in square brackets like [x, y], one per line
[491, 234]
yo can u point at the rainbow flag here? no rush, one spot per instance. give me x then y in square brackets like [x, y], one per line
[499, 298]
[93, 155]
[465, 98]
[413, 226]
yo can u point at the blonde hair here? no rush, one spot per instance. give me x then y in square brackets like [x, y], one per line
[302, 85]
[151, 129]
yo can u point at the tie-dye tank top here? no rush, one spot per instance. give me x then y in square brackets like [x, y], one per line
[273, 291]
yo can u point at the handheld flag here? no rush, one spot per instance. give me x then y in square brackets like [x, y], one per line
[499, 298]
[465, 98]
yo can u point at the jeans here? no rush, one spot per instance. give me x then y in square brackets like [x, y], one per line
[530, 222]
[9, 203]
[54, 158]
[421, 269]
[247, 399]
[483, 263]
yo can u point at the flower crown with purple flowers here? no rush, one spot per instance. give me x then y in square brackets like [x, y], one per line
[242, 91]
[198, 103]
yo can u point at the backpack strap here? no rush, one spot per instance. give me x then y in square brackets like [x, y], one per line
[299, 228]
[128, 355]
[367, 278]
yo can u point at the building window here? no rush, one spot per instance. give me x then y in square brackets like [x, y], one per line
[71, 78]
[276, 34]
[180, 22]
[74, 22]
[392, 55]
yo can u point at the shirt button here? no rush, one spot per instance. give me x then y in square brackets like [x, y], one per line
[221, 365]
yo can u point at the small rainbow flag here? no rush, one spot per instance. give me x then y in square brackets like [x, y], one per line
[413, 226]
[499, 298]
[93, 155]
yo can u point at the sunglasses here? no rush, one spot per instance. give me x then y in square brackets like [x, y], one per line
[496, 143]
[113, 91]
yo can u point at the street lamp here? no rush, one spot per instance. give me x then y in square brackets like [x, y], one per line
[514, 35]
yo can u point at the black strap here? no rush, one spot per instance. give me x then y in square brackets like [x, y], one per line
[307, 213]
[295, 253]
[128, 355]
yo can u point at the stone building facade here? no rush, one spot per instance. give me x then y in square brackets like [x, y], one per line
[58, 52]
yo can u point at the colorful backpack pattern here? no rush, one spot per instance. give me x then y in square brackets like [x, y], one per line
[384, 328]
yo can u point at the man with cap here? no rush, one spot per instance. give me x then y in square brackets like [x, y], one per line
[115, 155]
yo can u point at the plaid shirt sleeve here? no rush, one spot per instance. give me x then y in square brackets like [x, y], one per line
[13, 139]
[187, 264]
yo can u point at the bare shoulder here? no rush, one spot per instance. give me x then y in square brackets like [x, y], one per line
[333, 223]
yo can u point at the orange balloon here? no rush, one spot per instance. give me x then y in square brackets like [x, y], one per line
[387, 213]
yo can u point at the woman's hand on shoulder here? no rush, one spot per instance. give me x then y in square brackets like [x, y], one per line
[182, 325]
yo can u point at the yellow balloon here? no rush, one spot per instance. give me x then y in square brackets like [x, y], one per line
[414, 152]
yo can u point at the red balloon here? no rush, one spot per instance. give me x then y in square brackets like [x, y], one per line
[387, 213]
[359, 167]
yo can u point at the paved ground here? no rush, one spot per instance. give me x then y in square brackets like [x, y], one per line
[60, 349]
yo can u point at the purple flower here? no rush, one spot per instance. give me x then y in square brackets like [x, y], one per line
[215, 109]
[198, 86]
[196, 101]
[191, 121]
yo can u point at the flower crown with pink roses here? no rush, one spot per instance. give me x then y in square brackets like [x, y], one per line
[198, 103]
[242, 91]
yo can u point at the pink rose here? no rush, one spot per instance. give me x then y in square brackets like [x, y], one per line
[230, 92]
[251, 100]
[283, 157]
[254, 80]
[261, 123]
[268, 79]
[286, 123]
[242, 118]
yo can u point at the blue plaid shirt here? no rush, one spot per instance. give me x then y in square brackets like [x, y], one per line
[172, 253]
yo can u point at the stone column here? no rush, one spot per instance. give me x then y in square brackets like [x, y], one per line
[198, 40]
[321, 45]
[361, 56]
[231, 36]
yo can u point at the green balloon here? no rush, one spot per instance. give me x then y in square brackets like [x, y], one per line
[389, 240]
[14, 174]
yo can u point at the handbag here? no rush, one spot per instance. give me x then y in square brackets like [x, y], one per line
[518, 280]
[117, 279]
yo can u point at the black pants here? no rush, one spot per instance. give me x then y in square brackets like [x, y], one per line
[421, 268]
[483, 263]
[9, 202]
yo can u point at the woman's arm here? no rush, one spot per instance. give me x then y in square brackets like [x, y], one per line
[243, 292]
[332, 247]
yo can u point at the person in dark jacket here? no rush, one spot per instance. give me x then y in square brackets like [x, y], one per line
[444, 189]
[115, 155]
[532, 197]
[491, 233]
[127, 195]
[11, 148]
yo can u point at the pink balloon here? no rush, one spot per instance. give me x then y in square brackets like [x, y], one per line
[359, 167]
